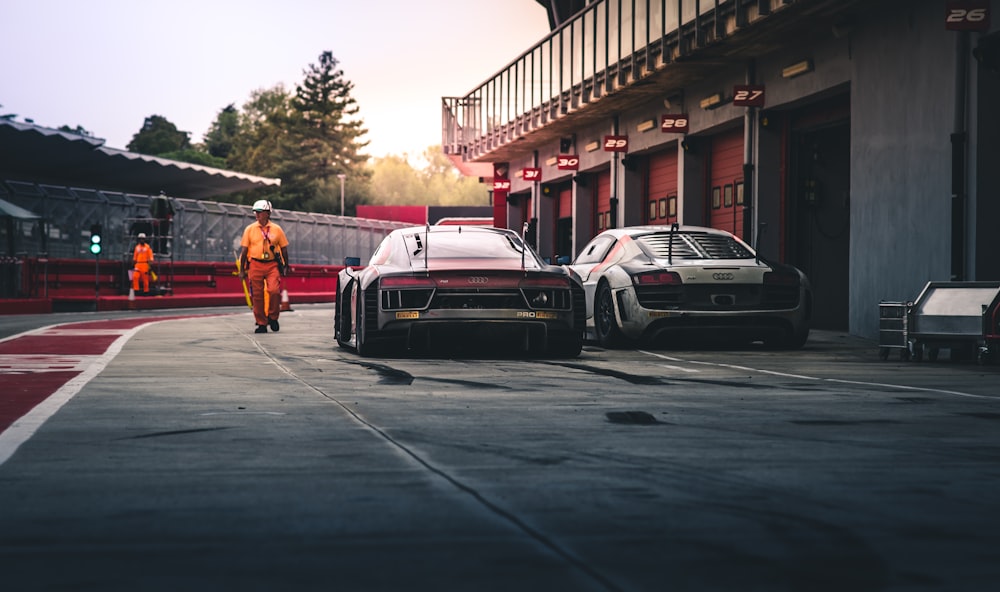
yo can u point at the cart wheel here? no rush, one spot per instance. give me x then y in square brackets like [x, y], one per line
[932, 354]
[982, 357]
[883, 353]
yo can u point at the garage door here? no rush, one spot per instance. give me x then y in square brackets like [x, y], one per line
[725, 188]
[603, 213]
[661, 192]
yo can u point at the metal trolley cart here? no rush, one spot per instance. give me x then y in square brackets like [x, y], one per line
[959, 316]
[893, 329]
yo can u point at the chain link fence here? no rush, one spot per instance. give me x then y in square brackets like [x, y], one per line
[199, 230]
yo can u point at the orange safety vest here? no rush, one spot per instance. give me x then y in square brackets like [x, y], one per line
[258, 240]
[143, 256]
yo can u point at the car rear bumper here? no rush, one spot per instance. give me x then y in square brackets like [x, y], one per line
[455, 329]
[642, 323]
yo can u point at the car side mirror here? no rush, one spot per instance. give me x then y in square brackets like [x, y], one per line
[352, 261]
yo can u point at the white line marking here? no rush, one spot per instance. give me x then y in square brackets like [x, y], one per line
[902, 387]
[29, 423]
[680, 368]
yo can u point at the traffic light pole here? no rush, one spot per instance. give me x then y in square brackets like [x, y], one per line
[97, 279]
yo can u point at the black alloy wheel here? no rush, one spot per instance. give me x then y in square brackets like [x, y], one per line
[605, 322]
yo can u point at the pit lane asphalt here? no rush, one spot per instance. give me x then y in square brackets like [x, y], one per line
[206, 457]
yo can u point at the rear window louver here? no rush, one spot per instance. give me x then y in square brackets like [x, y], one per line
[688, 245]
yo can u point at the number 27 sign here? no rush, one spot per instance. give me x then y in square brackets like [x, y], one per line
[748, 95]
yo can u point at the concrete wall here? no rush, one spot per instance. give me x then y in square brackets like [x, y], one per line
[902, 85]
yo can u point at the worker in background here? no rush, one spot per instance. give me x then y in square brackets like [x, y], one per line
[264, 259]
[142, 256]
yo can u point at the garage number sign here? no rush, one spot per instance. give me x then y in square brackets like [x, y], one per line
[674, 123]
[748, 95]
[568, 162]
[531, 174]
[967, 15]
[616, 143]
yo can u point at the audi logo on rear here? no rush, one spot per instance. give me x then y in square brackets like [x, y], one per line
[478, 279]
[722, 276]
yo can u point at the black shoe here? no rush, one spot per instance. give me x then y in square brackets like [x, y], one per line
[261, 329]
[274, 325]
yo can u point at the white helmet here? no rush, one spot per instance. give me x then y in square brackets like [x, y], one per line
[262, 205]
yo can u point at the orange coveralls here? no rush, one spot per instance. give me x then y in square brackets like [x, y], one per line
[141, 258]
[258, 241]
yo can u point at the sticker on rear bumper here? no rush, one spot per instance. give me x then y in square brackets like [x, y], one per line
[537, 314]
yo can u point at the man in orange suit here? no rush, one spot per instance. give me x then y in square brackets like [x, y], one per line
[264, 259]
[142, 256]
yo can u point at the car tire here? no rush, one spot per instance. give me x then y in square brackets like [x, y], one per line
[362, 340]
[342, 318]
[361, 345]
[605, 320]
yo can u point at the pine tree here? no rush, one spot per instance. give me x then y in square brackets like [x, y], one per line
[159, 136]
[220, 136]
[327, 139]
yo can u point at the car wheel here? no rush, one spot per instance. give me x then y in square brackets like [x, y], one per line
[363, 342]
[362, 346]
[605, 321]
[342, 318]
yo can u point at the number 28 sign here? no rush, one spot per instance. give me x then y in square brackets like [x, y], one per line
[674, 123]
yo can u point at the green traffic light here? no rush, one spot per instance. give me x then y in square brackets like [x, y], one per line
[95, 248]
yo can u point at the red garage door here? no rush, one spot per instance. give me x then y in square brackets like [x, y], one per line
[603, 213]
[661, 193]
[725, 187]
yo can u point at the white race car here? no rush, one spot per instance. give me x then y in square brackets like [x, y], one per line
[684, 283]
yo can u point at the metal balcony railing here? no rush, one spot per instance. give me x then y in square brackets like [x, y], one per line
[606, 47]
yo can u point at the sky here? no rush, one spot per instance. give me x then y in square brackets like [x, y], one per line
[106, 65]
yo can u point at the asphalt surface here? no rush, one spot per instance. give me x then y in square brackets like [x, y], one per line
[200, 456]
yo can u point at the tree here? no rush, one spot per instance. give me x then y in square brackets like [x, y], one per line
[159, 136]
[327, 139]
[396, 182]
[222, 134]
[78, 130]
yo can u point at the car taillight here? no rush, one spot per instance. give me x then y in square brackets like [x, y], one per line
[406, 281]
[781, 278]
[657, 278]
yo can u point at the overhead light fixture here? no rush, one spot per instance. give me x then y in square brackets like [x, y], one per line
[645, 126]
[797, 69]
[711, 101]
[592, 146]
[552, 161]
